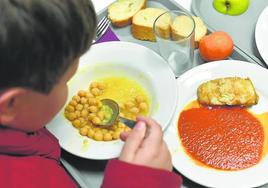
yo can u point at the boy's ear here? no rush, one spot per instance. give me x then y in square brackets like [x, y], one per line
[9, 103]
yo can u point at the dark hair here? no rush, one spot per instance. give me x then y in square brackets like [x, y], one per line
[40, 39]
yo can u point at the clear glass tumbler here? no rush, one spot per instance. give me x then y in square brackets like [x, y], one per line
[174, 31]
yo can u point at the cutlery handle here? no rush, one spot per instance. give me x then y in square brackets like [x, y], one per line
[131, 124]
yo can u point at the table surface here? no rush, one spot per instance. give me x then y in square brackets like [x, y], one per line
[102, 4]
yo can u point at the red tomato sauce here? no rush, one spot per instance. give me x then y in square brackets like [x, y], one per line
[222, 138]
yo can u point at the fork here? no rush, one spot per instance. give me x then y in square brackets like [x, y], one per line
[102, 27]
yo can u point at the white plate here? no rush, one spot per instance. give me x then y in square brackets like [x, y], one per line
[188, 83]
[261, 34]
[117, 59]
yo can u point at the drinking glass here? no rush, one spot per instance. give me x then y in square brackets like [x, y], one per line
[174, 31]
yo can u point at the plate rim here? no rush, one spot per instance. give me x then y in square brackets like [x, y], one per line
[257, 36]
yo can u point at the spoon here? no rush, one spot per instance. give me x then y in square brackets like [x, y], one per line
[115, 115]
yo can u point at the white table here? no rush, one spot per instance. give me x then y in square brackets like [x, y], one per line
[102, 4]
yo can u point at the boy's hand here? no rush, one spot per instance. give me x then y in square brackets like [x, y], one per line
[148, 151]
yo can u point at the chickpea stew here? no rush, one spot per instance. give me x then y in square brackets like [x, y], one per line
[86, 112]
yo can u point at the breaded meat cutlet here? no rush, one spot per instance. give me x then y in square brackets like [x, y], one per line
[228, 91]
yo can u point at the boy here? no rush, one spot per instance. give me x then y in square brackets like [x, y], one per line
[40, 45]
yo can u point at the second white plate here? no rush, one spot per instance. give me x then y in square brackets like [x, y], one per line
[188, 84]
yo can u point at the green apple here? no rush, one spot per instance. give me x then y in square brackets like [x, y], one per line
[231, 7]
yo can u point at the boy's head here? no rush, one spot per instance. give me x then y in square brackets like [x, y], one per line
[40, 45]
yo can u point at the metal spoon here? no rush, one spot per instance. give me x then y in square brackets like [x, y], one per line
[115, 115]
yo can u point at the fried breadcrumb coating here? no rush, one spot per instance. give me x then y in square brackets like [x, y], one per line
[228, 91]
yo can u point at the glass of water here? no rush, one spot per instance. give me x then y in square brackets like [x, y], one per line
[174, 31]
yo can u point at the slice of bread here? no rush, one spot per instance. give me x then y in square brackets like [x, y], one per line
[142, 24]
[121, 12]
[182, 28]
[200, 30]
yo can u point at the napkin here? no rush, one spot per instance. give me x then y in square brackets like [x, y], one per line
[108, 36]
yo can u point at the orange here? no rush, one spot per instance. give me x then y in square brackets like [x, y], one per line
[216, 46]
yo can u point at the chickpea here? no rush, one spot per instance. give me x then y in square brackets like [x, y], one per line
[121, 125]
[76, 98]
[93, 109]
[69, 108]
[99, 104]
[95, 91]
[121, 106]
[82, 93]
[119, 130]
[114, 127]
[86, 123]
[94, 85]
[107, 137]
[79, 107]
[83, 100]
[83, 131]
[139, 99]
[89, 95]
[96, 120]
[76, 123]
[129, 105]
[143, 106]
[92, 101]
[116, 135]
[73, 103]
[96, 129]
[86, 106]
[77, 113]
[126, 129]
[98, 136]
[82, 120]
[133, 117]
[100, 114]
[122, 114]
[101, 86]
[134, 110]
[91, 116]
[84, 113]
[72, 116]
[90, 124]
[90, 127]
[90, 133]
[104, 131]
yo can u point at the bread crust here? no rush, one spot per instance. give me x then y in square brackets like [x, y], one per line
[176, 36]
[142, 32]
[126, 21]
